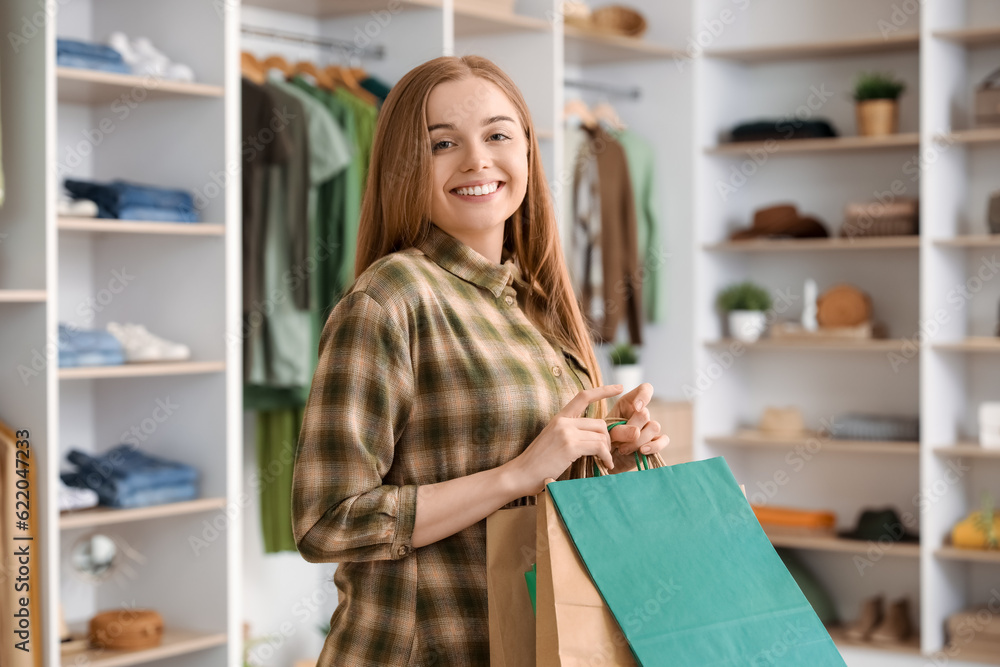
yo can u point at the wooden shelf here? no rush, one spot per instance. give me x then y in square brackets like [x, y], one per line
[971, 37]
[585, 47]
[23, 296]
[793, 540]
[967, 449]
[102, 516]
[824, 145]
[480, 20]
[910, 647]
[175, 642]
[749, 438]
[979, 135]
[968, 654]
[845, 345]
[332, 8]
[84, 86]
[141, 370]
[971, 344]
[799, 51]
[801, 245]
[970, 241]
[975, 555]
[104, 225]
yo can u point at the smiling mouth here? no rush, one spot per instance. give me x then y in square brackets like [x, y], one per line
[479, 190]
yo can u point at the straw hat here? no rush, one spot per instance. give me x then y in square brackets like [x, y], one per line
[611, 19]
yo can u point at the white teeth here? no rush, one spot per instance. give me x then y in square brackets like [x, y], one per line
[489, 188]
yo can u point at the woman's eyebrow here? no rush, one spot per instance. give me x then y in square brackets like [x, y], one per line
[488, 121]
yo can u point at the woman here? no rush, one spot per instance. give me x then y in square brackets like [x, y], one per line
[452, 376]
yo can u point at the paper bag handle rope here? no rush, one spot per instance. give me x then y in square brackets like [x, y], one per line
[642, 462]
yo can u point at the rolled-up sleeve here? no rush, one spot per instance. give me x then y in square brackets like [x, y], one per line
[358, 407]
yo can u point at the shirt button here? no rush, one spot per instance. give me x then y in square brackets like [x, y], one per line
[557, 371]
[403, 550]
[509, 299]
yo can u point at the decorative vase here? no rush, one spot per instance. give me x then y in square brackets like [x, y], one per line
[747, 325]
[989, 425]
[877, 118]
[629, 376]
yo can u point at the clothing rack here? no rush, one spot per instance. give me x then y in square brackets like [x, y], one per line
[633, 93]
[350, 49]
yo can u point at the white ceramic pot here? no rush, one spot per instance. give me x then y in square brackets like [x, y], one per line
[628, 376]
[989, 425]
[747, 325]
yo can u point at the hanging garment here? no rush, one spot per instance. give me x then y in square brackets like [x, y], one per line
[642, 174]
[620, 291]
[277, 435]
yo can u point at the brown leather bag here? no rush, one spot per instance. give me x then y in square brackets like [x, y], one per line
[126, 629]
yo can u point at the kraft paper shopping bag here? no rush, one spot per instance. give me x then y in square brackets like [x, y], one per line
[688, 572]
[574, 626]
[510, 552]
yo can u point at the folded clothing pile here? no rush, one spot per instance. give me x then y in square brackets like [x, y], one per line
[72, 498]
[874, 218]
[975, 630]
[125, 477]
[875, 427]
[84, 347]
[125, 200]
[146, 60]
[88, 55]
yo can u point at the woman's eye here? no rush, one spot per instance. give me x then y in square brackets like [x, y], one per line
[499, 134]
[439, 145]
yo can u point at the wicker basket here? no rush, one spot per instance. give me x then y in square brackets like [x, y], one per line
[619, 19]
[126, 629]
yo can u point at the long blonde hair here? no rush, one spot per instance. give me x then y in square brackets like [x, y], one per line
[395, 211]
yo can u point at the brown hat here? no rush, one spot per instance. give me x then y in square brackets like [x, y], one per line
[782, 220]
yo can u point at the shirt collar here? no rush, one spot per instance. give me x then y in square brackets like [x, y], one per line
[459, 259]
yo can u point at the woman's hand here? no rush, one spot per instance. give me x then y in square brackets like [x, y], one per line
[566, 438]
[641, 433]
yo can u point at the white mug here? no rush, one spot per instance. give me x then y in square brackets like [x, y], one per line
[989, 425]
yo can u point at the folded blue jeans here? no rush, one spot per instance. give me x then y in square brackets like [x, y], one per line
[83, 62]
[157, 214]
[112, 197]
[130, 469]
[90, 50]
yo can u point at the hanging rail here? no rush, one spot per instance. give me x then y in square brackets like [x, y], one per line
[349, 48]
[632, 93]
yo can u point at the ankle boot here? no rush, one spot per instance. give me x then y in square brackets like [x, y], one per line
[869, 618]
[895, 627]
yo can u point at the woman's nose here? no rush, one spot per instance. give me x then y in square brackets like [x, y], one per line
[476, 157]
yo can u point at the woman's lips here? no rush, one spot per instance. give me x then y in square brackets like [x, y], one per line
[479, 198]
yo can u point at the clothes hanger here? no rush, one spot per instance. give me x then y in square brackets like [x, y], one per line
[577, 108]
[345, 77]
[607, 113]
[322, 79]
[252, 68]
[278, 63]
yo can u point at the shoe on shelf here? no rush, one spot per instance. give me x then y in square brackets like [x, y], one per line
[146, 59]
[869, 618]
[895, 627]
[142, 346]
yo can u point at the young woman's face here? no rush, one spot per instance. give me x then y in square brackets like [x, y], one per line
[476, 141]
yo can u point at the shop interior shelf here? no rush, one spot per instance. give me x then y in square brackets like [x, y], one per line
[973, 37]
[333, 8]
[797, 540]
[826, 345]
[824, 145]
[103, 225]
[971, 344]
[84, 86]
[175, 643]
[102, 516]
[800, 245]
[968, 449]
[754, 438]
[974, 555]
[141, 370]
[471, 20]
[22, 295]
[841, 47]
[979, 135]
[970, 241]
[586, 47]
[910, 646]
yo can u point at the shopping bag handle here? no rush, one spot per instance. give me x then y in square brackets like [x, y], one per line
[642, 461]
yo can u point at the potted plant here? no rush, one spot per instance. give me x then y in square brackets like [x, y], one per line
[625, 366]
[745, 303]
[877, 103]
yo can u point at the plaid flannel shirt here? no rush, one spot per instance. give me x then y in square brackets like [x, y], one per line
[429, 370]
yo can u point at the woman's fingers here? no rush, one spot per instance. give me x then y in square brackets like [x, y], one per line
[579, 403]
[650, 432]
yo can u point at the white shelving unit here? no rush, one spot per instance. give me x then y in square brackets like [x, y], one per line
[939, 371]
[182, 281]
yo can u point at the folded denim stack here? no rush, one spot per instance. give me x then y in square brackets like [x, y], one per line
[82, 347]
[125, 200]
[125, 477]
[87, 55]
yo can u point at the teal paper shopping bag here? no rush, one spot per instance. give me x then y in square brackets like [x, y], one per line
[687, 571]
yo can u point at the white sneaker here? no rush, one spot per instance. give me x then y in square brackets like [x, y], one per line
[146, 59]
[141, 346]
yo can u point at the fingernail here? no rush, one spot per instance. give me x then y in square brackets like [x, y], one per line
[645, 450]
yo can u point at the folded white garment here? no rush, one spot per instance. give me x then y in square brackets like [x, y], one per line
[72, 498]
[146, 60]
[76, 208]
